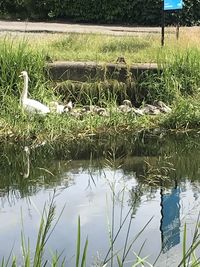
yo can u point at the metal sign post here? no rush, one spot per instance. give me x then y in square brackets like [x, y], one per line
[169, 5]
[177, 30]
[163, 25]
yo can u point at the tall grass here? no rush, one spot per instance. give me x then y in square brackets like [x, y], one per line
[185, 114]
[46, 228]
[179, 76]
[80, 261]
[189, 255]
[103, 48]
[177, 83]
[99, 48]
[16, 57]
[36, 257]
[116, 225]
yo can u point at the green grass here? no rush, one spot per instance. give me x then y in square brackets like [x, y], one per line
[177, 84]
[105, 48]
[98, 48]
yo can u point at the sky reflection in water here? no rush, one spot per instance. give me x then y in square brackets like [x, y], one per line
[86, 189]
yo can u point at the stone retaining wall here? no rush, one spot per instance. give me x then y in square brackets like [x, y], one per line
[89, 71]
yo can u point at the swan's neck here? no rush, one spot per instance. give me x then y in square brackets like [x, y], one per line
[25, 90]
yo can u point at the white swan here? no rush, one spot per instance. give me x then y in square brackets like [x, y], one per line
[28, 104]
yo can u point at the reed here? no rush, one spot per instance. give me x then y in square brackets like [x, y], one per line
[189, 255]
[46, 228]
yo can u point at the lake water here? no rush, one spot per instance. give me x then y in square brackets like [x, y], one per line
[127, 185]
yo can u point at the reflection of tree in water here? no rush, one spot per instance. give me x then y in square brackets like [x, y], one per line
[49, 164]
[161, 165]
[157, 173]
[170, 170]
[24, 173]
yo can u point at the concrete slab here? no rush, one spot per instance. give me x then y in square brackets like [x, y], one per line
[88, 71]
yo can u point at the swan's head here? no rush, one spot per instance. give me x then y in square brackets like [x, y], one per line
[23, 74]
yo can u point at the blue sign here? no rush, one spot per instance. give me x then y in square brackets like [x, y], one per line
[173, 4]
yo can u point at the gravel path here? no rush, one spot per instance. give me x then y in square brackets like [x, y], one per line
[36, 27]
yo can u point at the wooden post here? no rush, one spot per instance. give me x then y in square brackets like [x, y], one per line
[163, 25]
[177, 31]
[177, 25]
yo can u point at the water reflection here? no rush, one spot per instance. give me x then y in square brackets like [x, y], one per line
[170, 221]
[27, 162]
[151, 176]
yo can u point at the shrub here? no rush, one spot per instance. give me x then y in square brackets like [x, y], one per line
[105, 11]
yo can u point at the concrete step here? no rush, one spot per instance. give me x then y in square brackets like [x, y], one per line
[92, 71]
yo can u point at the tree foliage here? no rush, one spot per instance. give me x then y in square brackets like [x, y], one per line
[138, 12]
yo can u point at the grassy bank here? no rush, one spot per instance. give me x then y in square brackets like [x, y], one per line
[177, 85]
